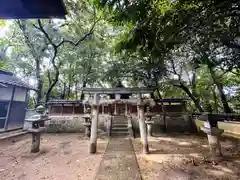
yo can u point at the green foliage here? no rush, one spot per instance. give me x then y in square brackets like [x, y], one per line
[185, 48]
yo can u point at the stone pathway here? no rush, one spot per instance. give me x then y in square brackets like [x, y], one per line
[119, 161]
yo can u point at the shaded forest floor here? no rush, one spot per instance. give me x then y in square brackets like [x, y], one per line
[61, 157]
[65, 156]
[186, 157]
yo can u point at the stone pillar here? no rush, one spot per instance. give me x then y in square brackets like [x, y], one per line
[84, 108]
[94, 125]
[213, 135]
[115, 109]
[142, 127]
[126, 109]
[130, 109]
[149, 121]
[109, 125]
[102, 109]
[118, 96]
[35, 142]
[149, 129]
[130, 128]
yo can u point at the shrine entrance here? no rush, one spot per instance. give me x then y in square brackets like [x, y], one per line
[117, 107]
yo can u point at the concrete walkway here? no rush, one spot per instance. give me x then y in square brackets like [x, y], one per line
[119, 161]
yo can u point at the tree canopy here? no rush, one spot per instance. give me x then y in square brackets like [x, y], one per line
[182, 48]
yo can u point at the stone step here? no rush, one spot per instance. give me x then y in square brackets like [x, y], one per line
[119, 129]
[120, 133]
[119, 119]
[120, 125]
[119, 122]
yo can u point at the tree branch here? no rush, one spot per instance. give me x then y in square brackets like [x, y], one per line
[45, 33]
[81, 39]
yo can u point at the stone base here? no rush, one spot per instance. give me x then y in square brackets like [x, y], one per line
[87, 131]
[145, 149]
[35, 142]
[212, 131]
[214, 145]
[93, 148]
[213, 135]
[149, 129]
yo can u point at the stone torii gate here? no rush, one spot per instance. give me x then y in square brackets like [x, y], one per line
[96, 102]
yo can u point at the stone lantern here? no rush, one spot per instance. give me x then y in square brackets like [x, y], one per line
[87, 122]
[36, 123]
[149, 121]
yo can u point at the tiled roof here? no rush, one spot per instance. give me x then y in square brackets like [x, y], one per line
[26, 9]
[7, 78]
[3, 85]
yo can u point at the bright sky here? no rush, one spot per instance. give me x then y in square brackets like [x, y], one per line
[4, 29]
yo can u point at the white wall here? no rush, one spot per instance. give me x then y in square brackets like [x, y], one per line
[6, 93]
[20, 94]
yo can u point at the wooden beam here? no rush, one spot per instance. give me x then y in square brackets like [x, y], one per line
[150, 102]
[117, 90]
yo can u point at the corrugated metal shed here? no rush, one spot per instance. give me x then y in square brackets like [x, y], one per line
[13, 101]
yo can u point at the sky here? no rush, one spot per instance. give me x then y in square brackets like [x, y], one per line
[4, 29]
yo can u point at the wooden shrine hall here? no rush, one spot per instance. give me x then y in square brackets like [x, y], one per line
[127, 95]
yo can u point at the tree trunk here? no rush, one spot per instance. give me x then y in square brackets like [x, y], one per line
[76, 90]
[39, 82]
[64, 91]
[36, 55]
[215, 100]
[219, 85]
[194, 84]
[193, 98]
[56, 77]
[68, 90]
[158, 93]
[82, 94]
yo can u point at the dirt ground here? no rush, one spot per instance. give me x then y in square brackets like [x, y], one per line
[62, 157]
[186, 157]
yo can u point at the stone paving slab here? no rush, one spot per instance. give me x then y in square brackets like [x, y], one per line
[119, 161]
